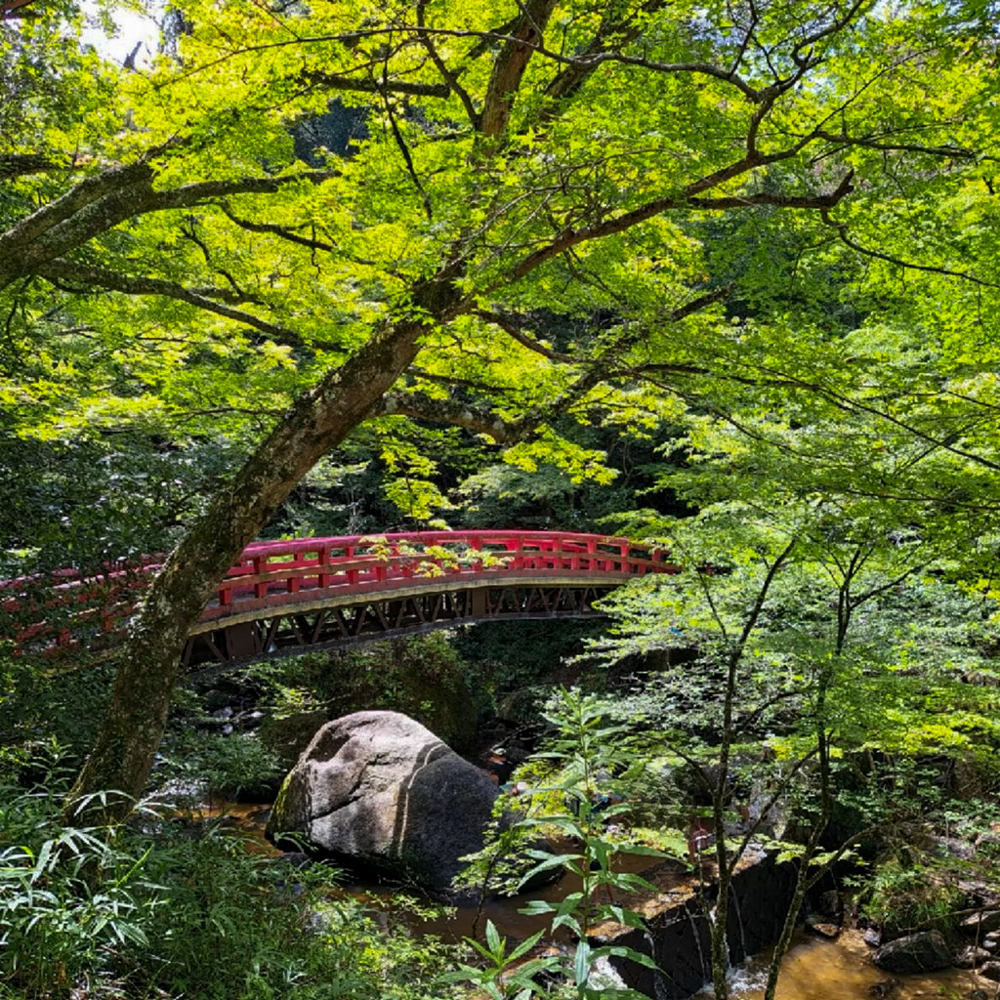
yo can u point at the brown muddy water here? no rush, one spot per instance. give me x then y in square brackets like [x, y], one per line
[814, 968]
[819, 969]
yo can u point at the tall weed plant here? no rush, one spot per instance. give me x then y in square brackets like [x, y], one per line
[588, 762]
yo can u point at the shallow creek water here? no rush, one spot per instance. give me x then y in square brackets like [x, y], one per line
[819, 969]
[814, 968]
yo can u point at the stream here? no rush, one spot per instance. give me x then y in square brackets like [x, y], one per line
[815, 968]
[819, 969]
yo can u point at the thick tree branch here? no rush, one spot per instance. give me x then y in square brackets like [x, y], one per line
[98, 204]
[510, 64]
[620, 223]
[11, 9]
[24, 164]
[366, 85]
[512, 330]
[573, 76]
[448, 411]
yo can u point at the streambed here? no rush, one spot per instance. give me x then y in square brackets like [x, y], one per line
[814, 969]
[819, 969]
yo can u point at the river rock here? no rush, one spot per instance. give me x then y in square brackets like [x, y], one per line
[970, 957]
[376, 790]
[981, 923]
[873, 936]
[824, 928]
[991, 970]
[921, 952]
[883, 989]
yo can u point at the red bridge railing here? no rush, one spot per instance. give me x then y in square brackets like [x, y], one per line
[51, 610]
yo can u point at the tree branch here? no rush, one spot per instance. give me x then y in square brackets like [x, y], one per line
[620, 223]
[449, 411]
[84, 274]
[23, 164]
[339, 81]
[510, 64]
[15, 8]
[449, 77]
[98, 204]
[523, 339]
[841, 229]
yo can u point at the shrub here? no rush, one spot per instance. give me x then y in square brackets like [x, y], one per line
[157, 908]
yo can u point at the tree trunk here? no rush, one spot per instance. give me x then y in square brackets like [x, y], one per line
[149, 660]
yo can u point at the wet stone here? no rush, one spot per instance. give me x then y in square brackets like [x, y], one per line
[981, 923]
[970, 957]
[882, 989]
[925, 951]
[873, 937]
[824, 928]
[991, 970]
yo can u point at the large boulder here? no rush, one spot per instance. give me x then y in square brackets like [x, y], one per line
[376, 790]
[925, 951]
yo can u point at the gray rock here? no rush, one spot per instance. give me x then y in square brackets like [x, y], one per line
[991, 970]
[921, 952]
[970, 957]
[378, 790]
[981, 923]
[873, 936]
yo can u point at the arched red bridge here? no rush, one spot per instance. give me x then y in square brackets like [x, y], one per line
[320, 593]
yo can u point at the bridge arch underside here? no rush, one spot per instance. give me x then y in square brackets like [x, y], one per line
[348, 620]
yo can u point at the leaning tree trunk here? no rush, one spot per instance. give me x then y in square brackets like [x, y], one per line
[149, 660]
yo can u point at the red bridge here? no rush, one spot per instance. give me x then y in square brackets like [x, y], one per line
[319, 593]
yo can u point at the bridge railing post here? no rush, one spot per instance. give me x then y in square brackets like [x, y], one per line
[260, 586]
[381, 567]
[323, 576]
